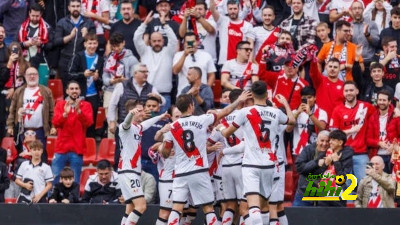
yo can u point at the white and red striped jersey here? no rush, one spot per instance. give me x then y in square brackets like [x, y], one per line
[261, 133]
[166, 168]
[131, 148]
[188, 136]
[240, 74]
[231, 33]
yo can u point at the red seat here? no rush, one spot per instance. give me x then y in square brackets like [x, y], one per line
[84, 177]
[217, 91]
[56, 88]
[101, 116]
[50, 146]
[350, 204]
[90, 155]
[289, 193]
[10, 200]
[107, 149]
[8, 144]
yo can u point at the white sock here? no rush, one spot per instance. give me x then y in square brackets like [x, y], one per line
[211, 218]
[173, 218]
[133, 218]
[245, 220]
[255, 215]
[161, 221]
[265, 217]
[227, 219]
[282, 218]
[273, 222]
[124, 219]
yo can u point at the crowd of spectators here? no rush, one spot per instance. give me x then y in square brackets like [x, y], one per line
[335, 61]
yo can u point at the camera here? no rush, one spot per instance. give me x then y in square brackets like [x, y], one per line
[370, 165]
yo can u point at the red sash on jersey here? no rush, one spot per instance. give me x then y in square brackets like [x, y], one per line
[374, 203]
[304, 136]
[213, 167]
[235, 36]
[35, 105]
[177, 132]
[273, 37]
[232, 139]
[241, 83]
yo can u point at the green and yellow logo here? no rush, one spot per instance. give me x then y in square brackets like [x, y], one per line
[327, 192]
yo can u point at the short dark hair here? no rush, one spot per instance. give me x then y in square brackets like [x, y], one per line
[287, 33]
[131, 104]
[335, 60]
[117, 38]
[350, 82]
[376, 65]
[103, 164]
[189, 34]
[259, 89]
[152, 98]
[387, 39]
[36, 144]
[183, 102]
[307, 91]
[36, 7]
[232, 2]
[341, 23]
[67, 172]
[240, 44]
[72, 82]
[70, 1]
[198, 70]
[395, 11]
[235, 93]
[91, 37]
[202, 2]
[269, 7]
[126, 1]
[338, 135]
[385, 92]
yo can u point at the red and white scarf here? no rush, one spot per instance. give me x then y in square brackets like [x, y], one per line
[43, 31]
[113, 62]
[93, 9]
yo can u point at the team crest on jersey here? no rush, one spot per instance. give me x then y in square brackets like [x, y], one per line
[297, 88]
[339, 87]
[345, 116]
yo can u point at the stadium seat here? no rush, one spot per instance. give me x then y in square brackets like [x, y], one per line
[289, 193]
[101, 116]
[84, 177]
[56, 88]
[90, 155]
[50, 146]
[107, 149]
[10, 200]
[217, 91]
[8, 144]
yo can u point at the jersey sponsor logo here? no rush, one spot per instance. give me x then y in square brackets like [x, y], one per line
[234, 33]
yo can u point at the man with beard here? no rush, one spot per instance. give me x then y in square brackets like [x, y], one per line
[378, 124]
[352, 118]
[158, 57]
[301, 26]
[35, 104]
[35, 36]
[4, 76]
[70, 33]
[394, 29]
[72, 117]
[390, 59]
[232, 30]
[127, 26]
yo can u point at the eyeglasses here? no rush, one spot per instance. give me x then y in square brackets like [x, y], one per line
[247, 49]
[143, 71]
[30, 133]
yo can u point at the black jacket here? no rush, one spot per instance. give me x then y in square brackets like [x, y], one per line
[4, 180]
[79, 66]
[307, 163]
[60, 192]
[97, 194]
[4, 76]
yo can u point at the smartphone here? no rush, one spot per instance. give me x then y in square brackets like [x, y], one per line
[304, 100]
[92, 70]
[370, 164]
[15, 50]
[153, 114]
[190, 43]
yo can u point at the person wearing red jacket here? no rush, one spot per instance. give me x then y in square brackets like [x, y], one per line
[378, 129]
[71, 118]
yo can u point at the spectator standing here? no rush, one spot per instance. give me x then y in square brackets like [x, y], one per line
[70, 32]
[378, 11]
[310, 8]
[323, 33]
[99, 12]
[102, 187]
[149, 186]
[4, 77]
[201, 93]
[310, 161]
[34, 103]
[67, 191]
[198, 58]
[34, 177]
[13, 13]
[390, 59]
[86, 69]
[342, 49]
[394, 29]
[3, 47]
[127, 26]
[352, 117]
[158, 56]
[4, 180]
[301, 26]
[340, 10]
[72, 117]
[377, 189]
[365, 33]
[54, 10]
[232, 30]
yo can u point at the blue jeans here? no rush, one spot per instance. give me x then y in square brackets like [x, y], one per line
[167, 103]
[298, 202]
[149, 167]
[60, 161]
[359, 164]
